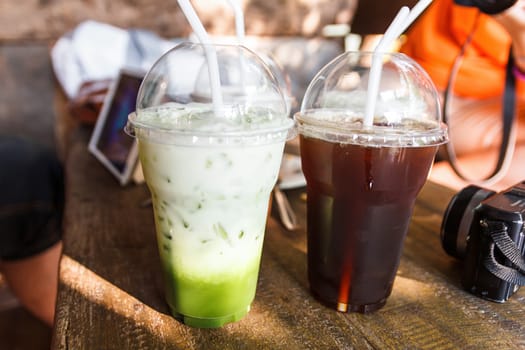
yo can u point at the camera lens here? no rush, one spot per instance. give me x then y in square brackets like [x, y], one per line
[458, 218]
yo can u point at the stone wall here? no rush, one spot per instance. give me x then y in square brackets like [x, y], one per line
[49, 19]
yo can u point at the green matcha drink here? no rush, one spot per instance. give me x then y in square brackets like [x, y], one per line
[210, 168]
[210, 198]
[210, 194]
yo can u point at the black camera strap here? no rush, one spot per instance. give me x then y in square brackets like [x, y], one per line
[508, 134]
[497, 230]
[490, 7]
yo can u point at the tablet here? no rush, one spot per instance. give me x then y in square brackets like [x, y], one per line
[115, 149]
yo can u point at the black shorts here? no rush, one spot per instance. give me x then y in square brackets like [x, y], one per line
[31, 198]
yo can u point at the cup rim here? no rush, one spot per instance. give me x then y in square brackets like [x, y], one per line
[285, 130]
[353, 131]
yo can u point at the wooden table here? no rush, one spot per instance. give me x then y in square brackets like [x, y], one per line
[111, 294]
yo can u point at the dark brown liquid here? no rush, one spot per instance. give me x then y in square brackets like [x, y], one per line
[360, 201]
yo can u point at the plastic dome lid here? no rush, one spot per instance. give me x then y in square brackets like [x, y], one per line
[407, 109]
[176, 97]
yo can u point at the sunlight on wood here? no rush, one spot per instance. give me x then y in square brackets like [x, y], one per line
[99, 291]
[411, 290]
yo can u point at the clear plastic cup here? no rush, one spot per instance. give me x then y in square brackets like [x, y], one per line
[210, 170]
[363, 179]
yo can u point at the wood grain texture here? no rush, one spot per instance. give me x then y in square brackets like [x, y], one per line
[111, 290]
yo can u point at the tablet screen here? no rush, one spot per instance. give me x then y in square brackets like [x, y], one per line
[109, 143]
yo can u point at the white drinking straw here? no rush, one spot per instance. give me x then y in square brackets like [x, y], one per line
[377, 64]
[239, 20]
[401, 22]
[414, 13]
[209, 50]
[240, 33]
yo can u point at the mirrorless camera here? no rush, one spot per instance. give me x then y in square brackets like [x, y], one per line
[490, 7]
[486, 230]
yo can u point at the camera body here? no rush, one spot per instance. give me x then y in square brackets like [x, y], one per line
[490, 7]
[463, 236]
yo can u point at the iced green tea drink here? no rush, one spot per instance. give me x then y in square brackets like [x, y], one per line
[210, 179]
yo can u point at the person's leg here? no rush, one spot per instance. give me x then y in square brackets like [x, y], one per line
[475, 132]
[476, 125]
[34, 280]
[31, 204]
[443, 173]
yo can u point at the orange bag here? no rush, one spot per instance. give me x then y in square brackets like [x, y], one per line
[436, 38]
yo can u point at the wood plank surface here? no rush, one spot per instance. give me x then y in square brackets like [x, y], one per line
[111, 293]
